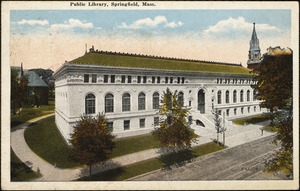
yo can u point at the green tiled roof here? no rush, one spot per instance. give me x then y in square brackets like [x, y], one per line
[159, 63]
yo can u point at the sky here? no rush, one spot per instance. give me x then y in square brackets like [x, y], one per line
[48, 38]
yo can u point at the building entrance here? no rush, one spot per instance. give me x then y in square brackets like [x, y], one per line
[201, 101]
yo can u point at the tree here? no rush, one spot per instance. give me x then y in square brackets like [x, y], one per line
[14, 91]
[217, 120]
[92, 141]
[275, 90]
[174, 132]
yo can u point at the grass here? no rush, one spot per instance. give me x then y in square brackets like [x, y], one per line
[252, 119]
[270, 128]
[46, 141]
[165, 161]
[30, 113]
[19, 170]
[134, 144]
[118, 60]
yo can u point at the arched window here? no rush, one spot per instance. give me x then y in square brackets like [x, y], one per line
[180, 99]
[234, 96]
[90, 104]
[155, 100]
[219, 97]
[126, 102]
[254, 95]
[242, 96]
[142, 101]
[227, 96]
[109, 103]
[248, 95]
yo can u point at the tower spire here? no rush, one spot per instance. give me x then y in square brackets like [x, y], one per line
[254, 56]
[22, 72]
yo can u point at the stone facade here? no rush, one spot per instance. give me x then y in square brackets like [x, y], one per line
[129, 96]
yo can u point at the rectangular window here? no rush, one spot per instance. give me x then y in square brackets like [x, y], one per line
[166, 80]
[126, 124]
[182, 80]
[242, 110]
[190, 103]
[153, 79]
[94, 78]
[86, 78]
[254, 108]
[110, 126]
[171, 80]
[142, 123]
[227, 112]
[112, 79]
[156, 121]
[234, 111]
[105, 78]
[248, 109]
[178, 80]
[123, 78]
[129, 79]
[144, 79]
[158, 79]
[139, 79]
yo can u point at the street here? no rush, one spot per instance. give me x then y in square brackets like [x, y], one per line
[243, 162]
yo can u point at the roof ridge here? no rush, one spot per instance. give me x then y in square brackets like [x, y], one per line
[160, 57]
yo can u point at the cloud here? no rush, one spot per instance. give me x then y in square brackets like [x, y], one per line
[33, 22]
[152, 23]
[238, 24]
[73, 23]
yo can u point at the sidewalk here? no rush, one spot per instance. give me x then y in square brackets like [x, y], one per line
[235, 135]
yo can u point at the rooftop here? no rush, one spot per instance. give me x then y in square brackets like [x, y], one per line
[117, 59]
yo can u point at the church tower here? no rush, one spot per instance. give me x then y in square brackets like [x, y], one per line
[254, 56]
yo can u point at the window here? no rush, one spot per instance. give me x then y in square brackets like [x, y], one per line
[144, 79]
[105, 78]
[142, 123]
[123, 79]
[219, 97]
[171, 80]
[166, 80]
[86, 78]
[139, 79]
[242, 96]
[129, 79]
[178, 80]
[156, 121]
[155, 100]
[112, 79]
[94, 78]
[254, 95]
[110, 126]
[180, 99]
[190, 103]
[227, 96]
[109, 103]
[126, 102]
[90, 104]
[234, 111]
[153, 79]
[248, 95]
[182, 80]
[254, 108]
[227, 112]
[248, 109]
[158, 79]
[126, 124]
[234, 96]
[141, 101]
[242, 110]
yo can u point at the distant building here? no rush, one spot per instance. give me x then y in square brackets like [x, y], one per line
[37, 89]
[128, 88]
[254, 56]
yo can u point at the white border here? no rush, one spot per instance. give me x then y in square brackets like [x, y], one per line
[146, 185]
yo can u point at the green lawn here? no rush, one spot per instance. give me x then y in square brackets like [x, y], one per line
[19, 171]
[30, 113]
[125, 172]
[252, 119]
[270, 128]
[134, 144]
[46, 141]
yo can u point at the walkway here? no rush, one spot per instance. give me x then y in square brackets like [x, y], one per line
[235, 135]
